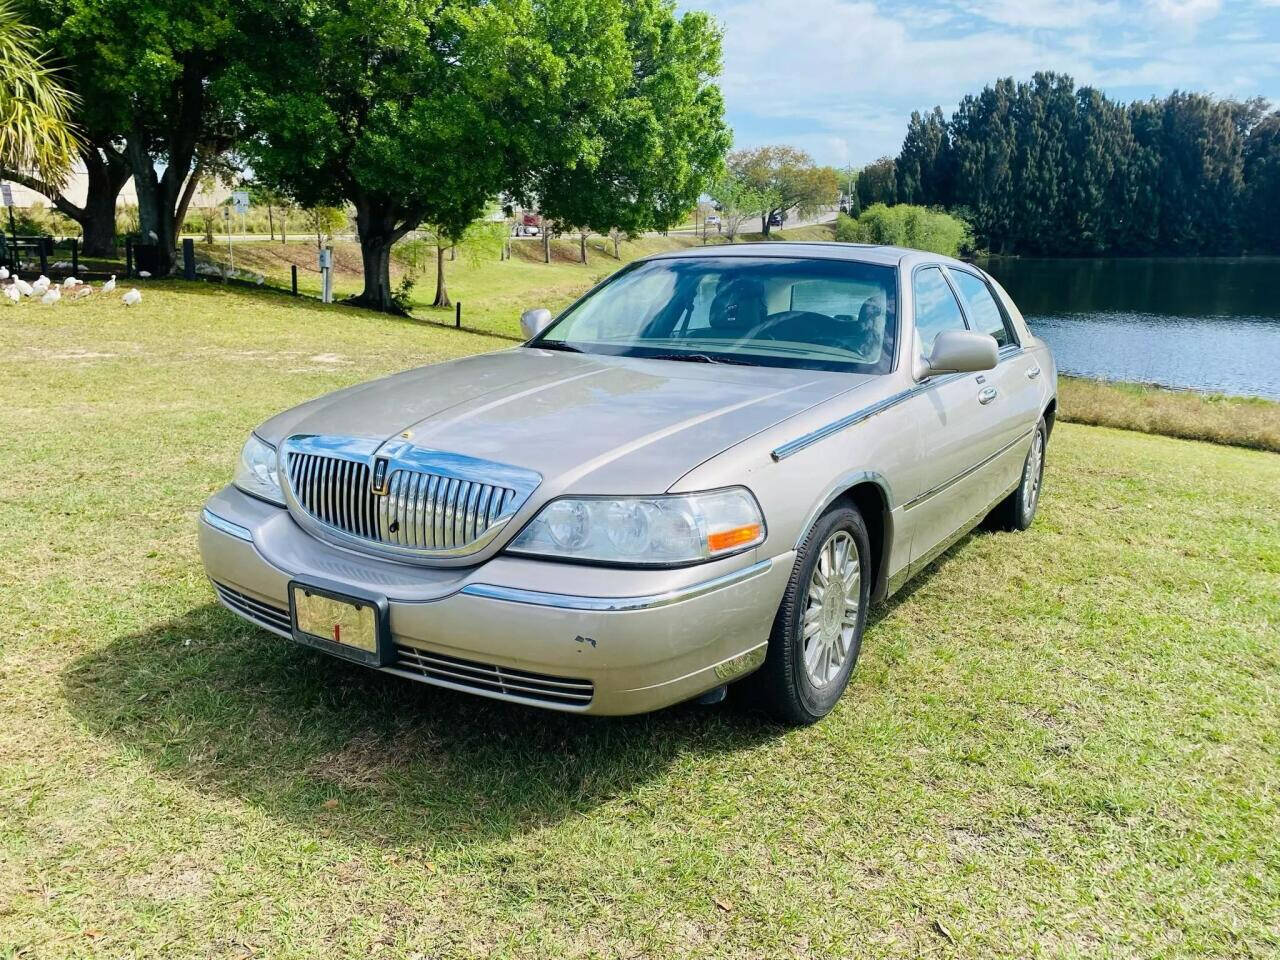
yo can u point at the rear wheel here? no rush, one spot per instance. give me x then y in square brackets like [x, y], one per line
[1018, 510]
[817, 633]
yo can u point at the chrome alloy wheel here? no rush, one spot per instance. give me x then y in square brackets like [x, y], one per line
[831, 608]
[1031, 476]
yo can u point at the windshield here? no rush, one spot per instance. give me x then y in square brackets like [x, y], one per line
[765, 311]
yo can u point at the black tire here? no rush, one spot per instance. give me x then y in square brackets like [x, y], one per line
[783, 686]
[1017, 511]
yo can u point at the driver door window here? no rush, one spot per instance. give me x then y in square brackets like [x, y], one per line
[936, 307]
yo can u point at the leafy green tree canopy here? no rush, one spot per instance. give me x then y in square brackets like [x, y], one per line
[784, 178]
[662, 138]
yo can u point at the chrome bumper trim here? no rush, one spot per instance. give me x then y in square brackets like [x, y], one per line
[566, 601]
[226, 526]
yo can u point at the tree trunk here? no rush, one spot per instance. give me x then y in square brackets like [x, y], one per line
[442, 293]
[155, 223]
[582, 246]
[764, 223]
[617, 247]
[378, 232]
[271, 224]
[184, 201]
[108, 172]
[546, 244]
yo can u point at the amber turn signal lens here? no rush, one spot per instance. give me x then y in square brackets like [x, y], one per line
[725, 539]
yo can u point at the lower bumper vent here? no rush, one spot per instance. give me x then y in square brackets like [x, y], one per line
[502, 681]
[275, 619]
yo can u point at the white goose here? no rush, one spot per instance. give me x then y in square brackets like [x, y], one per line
[109, 285]
[11, 293]
[24, 288]
[4, 273]
[70, 283]
[132, 297]
[52, 297]
[81, 290]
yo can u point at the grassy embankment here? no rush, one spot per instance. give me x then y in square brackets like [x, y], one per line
[1073, 755]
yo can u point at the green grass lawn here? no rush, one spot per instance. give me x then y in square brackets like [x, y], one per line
[1061, 743]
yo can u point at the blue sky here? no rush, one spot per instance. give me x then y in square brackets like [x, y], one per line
[840, 77]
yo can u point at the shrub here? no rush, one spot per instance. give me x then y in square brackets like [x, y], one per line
[907, 225]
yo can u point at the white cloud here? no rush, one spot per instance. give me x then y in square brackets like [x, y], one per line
[840, 77]
[1185, 13]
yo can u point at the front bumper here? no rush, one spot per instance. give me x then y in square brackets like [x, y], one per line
[567, 637]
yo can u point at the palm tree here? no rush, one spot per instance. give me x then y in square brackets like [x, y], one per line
[36, 135]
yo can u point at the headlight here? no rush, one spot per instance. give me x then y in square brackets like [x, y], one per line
[645, 531]
[257, 472]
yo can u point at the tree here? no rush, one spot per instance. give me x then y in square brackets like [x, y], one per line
[737, 201]
[784, 178]
[159, 84]
[662, 137]
[324, 222]
[877, 183]
[1261, 220]
[923, 168]
[418, 114]
[36, 135]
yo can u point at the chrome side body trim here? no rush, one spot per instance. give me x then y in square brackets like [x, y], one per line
[949, 541]
[564, 601]
[915, 502]
[226, 526]
[798, 444]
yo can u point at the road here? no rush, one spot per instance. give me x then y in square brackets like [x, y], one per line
[752, 224]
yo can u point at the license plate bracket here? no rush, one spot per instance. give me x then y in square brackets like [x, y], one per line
[351, 624]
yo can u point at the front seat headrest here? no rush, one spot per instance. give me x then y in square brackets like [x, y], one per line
[738, 305]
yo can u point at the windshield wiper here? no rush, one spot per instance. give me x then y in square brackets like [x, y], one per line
[555, 345]
[698, 358]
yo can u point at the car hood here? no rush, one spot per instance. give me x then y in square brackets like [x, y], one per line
[593, 424]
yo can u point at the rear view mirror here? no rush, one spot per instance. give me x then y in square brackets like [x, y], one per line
[533, 322]
[963, 351]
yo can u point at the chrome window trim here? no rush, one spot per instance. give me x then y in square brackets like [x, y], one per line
[225, 525]
[564, 601]
[405, 456]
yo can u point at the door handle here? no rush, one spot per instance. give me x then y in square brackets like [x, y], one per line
[1033, 373]
[986, 395]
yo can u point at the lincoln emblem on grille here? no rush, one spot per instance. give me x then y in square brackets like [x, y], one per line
[378, 486]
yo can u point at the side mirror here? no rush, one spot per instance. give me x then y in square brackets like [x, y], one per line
[533, 322]
[963, 351]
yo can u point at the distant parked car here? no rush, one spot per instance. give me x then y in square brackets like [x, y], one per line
[775, 219]
[702, 472]
[712, 220]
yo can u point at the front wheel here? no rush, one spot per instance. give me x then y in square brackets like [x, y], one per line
[817, 633]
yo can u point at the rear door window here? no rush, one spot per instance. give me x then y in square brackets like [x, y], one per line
[984, 313]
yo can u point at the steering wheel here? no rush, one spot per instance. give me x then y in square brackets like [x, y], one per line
[778, 327]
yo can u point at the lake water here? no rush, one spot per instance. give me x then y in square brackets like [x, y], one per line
[1201, 324]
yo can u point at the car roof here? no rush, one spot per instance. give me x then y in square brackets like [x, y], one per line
[881, 254]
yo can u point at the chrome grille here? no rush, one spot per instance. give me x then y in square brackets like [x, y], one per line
[420, 511]
[505, 682]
